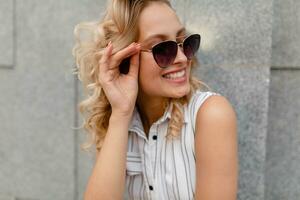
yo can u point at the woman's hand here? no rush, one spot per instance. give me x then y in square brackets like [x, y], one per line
[120, 89]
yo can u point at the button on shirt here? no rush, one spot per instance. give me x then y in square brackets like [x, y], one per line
[159, 168]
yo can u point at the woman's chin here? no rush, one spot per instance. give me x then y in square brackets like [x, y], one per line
[181, 92]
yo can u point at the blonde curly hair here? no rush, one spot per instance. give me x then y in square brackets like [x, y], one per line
[119, 25]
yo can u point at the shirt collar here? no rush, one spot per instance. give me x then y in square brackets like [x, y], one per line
[167, 114]
[136, 124]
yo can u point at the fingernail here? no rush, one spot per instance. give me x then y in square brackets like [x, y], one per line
[109, 43]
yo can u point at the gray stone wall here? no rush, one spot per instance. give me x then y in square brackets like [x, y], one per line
[249, 53]
[282, 176]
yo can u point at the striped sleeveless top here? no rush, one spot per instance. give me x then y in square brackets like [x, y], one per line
[161, 169]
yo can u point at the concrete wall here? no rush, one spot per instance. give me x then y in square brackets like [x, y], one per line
[38, 151]
[249, 53]
[283, 141]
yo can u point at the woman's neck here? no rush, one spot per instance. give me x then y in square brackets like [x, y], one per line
[150, 110]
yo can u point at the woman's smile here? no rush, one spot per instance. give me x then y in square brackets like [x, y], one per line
[178, 76]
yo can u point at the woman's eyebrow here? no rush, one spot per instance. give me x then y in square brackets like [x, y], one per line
[160, 36]
[163, 36]
[182, 30]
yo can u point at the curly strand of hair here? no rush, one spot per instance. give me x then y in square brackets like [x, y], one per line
[98, 112]
[176, 121]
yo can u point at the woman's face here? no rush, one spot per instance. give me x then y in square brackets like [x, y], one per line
[157, 23]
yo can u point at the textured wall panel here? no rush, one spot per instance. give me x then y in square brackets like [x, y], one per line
[6, 197]
[37, 143]
[283, 142]
[7, 33]
[286, 31]
[233, 31]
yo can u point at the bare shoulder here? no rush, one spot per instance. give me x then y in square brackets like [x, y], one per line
[216, 111]
[216, 150]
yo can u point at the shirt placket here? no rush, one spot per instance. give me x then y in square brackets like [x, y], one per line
[150, 150]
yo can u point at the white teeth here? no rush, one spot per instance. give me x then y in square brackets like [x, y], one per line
[175, 75]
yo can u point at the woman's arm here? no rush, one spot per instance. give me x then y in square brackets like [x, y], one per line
[216, 150]
[108, 177]
[107, 181]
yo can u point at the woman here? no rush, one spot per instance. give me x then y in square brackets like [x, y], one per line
[158, 135]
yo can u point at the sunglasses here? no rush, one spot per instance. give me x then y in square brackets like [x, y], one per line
[165, 52]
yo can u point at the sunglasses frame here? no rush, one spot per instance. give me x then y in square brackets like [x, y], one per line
[180, 44]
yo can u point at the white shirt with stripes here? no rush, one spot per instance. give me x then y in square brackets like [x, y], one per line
[158, 168]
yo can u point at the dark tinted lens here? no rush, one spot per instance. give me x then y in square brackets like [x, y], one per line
[191, 45]
[164, 53]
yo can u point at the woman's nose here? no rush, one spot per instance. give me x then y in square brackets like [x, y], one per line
[180, 57]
